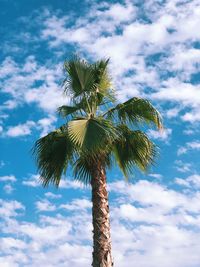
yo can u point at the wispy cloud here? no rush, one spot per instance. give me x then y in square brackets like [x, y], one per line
[52, 195]
[33, 181]
[8, 178]
[8, 188]
[20, 129]
[45, 205]
[163, 135]
[44, 125]
[192, 181]
[29, 82]
[194, 145]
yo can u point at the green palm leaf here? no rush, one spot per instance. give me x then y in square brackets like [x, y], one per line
[81, 77]
[133, 149]
[84, 166]
[83, 169]
[65, 111]
[103, 80]
[136, 110]
[53, 153]
[92, 135]
[89, 83]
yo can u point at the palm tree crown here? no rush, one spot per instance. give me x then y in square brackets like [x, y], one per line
[96, 128]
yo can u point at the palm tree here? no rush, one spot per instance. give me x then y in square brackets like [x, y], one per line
[97, 133]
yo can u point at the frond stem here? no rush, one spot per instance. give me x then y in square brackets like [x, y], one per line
[89, 108]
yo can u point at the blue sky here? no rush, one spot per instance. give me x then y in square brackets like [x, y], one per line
[154, 48]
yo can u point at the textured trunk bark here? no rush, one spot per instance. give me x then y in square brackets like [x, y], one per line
[101, 222]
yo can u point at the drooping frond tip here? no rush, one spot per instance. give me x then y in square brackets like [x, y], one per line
[52, 153]
[134, 111]
[134, 149]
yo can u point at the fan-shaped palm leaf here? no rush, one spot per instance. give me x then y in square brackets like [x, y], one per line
[53, 153]
[92, 135]
[136, 110]
[81, 77]
[65, 111]
[103, 80]
[133, 149]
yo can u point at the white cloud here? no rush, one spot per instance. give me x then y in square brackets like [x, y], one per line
[10, 208]
[20, 129]
[194, 145]
[52, 195]
[171, 113]
[20, 80]
[162, 135]
[184, 60]
[77, 204]
[192, 181]
[181, 150]
[48, 97]
[186, 93]
[33, 181]
[45, 205]
[7, 243]
[65, 184]
[44, 125]
[8, 178]
[9, 105]
[156, 175]
[181, 181]
[8, 66]
[8, 188]
[192, 116]
[183, 166]
[119, 12]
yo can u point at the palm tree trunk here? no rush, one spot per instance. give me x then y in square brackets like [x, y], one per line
[101, 222]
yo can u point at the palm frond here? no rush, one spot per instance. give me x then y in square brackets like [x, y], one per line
[88, 82]
[133, 149]
[103, 81]
[65, 111]
[53, 153]
[85, 165]
[136, 110]
[80, 78]
[92, 135]
[83, 169]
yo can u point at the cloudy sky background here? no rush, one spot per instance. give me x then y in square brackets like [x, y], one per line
[154, 48]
